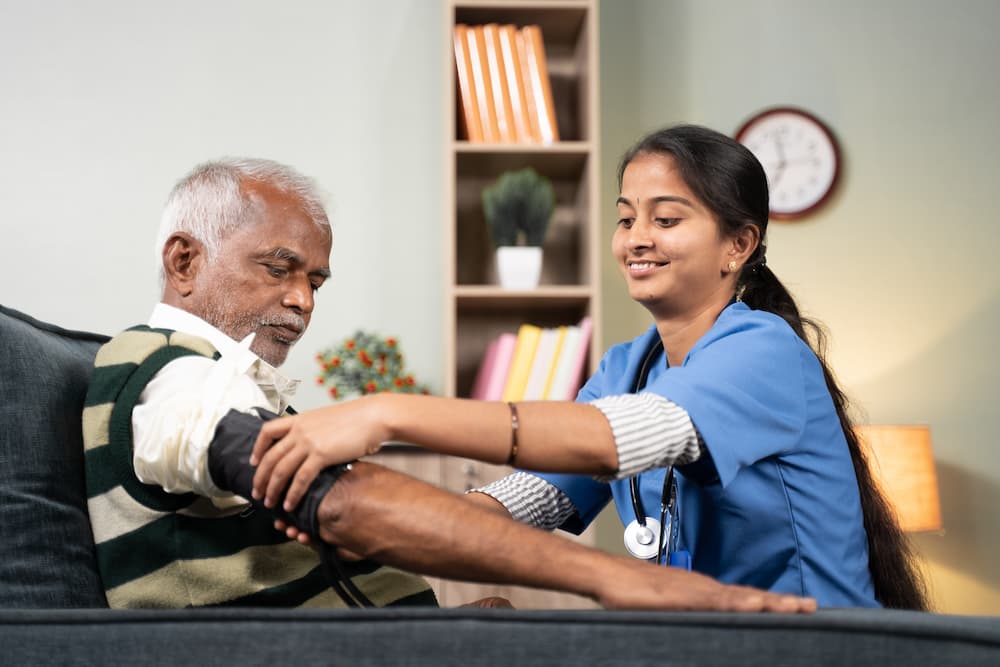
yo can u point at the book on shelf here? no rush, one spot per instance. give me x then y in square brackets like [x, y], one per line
[546, 353]
[498, 83]
[481, 80]
[492, 375]
[534, 364]
[511, 57]
[537, 83]
[567, 376]
[469, 104]
[520, 365]
[504, 89]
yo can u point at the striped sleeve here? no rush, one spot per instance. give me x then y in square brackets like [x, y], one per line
[531, 500]
[650, 432]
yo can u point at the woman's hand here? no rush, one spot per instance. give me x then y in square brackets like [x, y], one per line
[295, 449]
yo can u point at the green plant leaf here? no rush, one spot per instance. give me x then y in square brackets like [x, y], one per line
[519, 204]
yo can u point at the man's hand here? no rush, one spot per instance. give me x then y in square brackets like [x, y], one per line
[647, 586]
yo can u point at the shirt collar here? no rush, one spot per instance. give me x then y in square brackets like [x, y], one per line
[264, 374]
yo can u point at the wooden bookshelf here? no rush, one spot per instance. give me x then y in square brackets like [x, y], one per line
[477, 309]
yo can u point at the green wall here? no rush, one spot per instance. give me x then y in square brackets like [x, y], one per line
[901, 265]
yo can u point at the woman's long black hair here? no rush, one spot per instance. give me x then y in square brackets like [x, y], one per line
[731, 182]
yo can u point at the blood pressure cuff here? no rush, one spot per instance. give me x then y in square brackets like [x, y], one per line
[229, 466]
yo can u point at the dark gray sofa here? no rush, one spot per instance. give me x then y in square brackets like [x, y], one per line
[53, 611]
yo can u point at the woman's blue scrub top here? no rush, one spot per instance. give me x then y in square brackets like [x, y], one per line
[779, 509]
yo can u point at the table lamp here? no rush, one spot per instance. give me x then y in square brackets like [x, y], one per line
[902, 463]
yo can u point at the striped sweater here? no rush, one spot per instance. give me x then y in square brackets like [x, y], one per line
[158, 549]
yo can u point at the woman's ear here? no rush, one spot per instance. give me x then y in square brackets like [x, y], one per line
[744, 242]
[182, 256]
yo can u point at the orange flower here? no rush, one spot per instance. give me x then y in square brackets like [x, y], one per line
[370, 387]
[333, 392]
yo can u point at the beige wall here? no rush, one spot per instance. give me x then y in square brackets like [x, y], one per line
[104, 104]
[901, 266]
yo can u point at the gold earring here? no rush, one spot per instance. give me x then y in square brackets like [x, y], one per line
[732, 265]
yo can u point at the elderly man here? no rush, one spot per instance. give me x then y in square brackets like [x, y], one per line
[174, 406]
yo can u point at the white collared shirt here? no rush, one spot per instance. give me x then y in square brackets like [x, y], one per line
[175, 419]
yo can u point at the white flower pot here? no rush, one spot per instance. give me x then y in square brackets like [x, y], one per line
[519, 266]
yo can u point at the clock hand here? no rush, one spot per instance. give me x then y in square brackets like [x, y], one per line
[782, 162]
[780, 149]
[777, 175]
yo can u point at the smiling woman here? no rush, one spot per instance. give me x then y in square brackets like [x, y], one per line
[721, 415]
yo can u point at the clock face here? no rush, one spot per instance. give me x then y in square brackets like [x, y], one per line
[799, 155]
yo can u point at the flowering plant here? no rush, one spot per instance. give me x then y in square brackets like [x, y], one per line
[365, 363]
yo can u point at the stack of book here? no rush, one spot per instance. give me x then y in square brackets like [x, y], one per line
[503, 84]
[534, 364]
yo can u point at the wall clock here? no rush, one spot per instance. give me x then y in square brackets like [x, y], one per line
[800, 156]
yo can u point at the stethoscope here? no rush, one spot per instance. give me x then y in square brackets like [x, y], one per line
[645, 537]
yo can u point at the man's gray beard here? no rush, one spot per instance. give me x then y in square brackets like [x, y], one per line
[238, 327]
[233, 325]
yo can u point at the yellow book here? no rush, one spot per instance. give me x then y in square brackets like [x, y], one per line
[520, 365]
[560, 337]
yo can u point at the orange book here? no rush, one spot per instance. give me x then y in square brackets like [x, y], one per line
[481, 80]
[466, 91]
[498, 82]
[515, 84]
[537, 81]
[529, 99]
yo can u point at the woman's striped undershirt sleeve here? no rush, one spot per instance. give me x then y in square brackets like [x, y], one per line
[650, 432]
[531, 500]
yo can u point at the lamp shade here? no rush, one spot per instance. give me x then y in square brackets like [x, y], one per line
[902, 463]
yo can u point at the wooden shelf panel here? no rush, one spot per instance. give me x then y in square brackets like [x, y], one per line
[562, 23]
[491, 296]
[564, 161]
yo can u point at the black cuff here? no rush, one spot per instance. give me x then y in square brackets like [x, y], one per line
[230, 469]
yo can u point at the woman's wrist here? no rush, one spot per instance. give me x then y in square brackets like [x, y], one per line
[388, 418]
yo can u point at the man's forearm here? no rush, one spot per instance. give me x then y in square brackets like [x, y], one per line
[400, 521]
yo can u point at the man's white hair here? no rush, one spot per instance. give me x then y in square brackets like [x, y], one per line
[212, 201]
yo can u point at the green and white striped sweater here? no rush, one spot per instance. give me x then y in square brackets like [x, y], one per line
[158, 549]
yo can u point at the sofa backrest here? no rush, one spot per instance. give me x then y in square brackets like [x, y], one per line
[47, 556]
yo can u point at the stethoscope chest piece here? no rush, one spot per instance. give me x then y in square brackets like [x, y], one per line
[643, 541]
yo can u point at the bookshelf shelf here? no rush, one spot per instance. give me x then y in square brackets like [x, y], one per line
[491, 295]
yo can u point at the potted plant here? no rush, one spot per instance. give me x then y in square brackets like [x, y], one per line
[518, 208]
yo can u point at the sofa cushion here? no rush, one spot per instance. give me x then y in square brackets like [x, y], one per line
[46, 545]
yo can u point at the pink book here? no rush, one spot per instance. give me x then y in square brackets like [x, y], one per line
[485, 369]
[496, 363]
[579, 362]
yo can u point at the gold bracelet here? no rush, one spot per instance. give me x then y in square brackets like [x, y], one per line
[511, 460]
